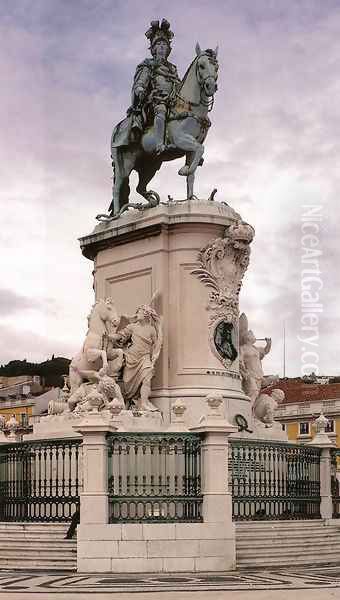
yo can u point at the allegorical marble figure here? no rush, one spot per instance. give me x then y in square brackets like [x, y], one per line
[141, 341]
[251, 357]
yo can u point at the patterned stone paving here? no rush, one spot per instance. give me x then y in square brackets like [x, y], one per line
[275, 579]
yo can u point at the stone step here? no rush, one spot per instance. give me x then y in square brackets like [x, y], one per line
[282, 543]
[34, 535]
[286, 530]
[247, 537]
[46, 543]
[33, 525]
[288, 560]
[310, 524]
[297, 549]
[38, 530]
[47, 528]
[30, 565]
[37, 546]
[42, 526]
[36, 557]
[271, 528]
[46, 569]
[49, 551]
[288, 547]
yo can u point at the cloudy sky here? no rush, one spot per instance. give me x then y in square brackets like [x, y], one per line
[66, 68]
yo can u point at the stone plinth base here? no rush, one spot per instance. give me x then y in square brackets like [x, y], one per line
[196, 407]
[52, 427]
[260, 432]
[143, 421]
[62, 426]
[156, 252]
[154, 548]
[4, 438]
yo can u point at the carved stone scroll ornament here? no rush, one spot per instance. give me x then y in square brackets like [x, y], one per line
[221, 267]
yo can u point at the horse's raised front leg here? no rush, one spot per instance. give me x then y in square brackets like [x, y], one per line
[187, 142]
[92, 354]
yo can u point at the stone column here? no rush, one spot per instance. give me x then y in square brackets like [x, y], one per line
[215, 430]
[94, 497]
[322, 441]
[326, 506]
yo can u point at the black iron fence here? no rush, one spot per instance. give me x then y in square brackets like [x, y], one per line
[154, 477]
[273, 480]
[335, 483]
[40, 480]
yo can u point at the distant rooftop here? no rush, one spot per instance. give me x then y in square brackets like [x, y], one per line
[298, 391]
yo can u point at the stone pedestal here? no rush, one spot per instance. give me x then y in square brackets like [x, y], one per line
[54, 426]
[260, 432]
[156, 251]
[4, 438]
[93, 498]
[156, 547]
[322, 441]
[215, 430]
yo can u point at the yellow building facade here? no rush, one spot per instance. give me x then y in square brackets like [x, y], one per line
[293, 429]
[22, 411]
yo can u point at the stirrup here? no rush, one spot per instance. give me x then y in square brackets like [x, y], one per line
[160, 148]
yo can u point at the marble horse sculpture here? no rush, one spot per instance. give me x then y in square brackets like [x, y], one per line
[93, 357]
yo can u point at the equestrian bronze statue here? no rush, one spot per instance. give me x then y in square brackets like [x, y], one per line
[167, 119]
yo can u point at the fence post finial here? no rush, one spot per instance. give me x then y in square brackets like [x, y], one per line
[322, 441]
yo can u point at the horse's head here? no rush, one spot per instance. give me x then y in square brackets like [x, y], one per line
[106, 310]
[207, 70]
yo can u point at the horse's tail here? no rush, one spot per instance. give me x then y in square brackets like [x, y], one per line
[121, 172]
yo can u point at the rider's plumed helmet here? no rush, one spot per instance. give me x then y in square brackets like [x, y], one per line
[159, 32]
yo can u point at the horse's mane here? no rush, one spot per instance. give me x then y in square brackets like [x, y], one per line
[187, 72]
[94, 308]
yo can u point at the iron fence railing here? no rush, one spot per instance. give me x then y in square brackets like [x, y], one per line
[273, 480]
[154, 477]
[335, 482]
[40, 480]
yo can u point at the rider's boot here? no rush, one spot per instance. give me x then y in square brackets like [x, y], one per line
[159, 131]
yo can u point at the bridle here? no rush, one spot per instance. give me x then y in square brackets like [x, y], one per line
[204, 100]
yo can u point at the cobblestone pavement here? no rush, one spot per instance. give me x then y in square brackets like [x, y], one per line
[72, 585]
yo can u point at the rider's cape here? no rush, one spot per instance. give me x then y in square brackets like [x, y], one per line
[122, 133]
[127, 131]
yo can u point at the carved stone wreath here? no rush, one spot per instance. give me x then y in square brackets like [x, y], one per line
[221, 267]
